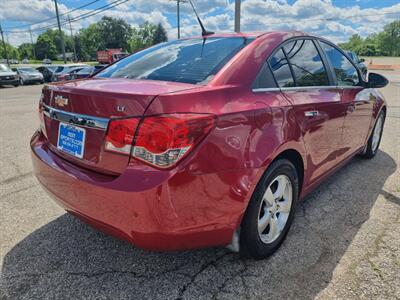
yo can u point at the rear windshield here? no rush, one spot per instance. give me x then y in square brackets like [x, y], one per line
[26, 70]
[193, 61]
[59, 69]
[87, 70]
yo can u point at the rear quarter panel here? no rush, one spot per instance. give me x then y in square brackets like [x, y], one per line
[222, 172]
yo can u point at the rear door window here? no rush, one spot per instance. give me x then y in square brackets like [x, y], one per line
[281, 70]
[307, 65]
[346, 73]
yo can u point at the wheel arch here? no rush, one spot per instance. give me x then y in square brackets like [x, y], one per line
[296, 159]
[294, 156]
[384, 109]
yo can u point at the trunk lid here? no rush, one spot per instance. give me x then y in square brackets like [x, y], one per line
[88, 105]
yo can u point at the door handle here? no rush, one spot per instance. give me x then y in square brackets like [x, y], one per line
[311, 114]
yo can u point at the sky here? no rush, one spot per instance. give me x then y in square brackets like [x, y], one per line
[336, 20]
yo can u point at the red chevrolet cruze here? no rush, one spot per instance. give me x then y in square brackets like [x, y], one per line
[206, 141]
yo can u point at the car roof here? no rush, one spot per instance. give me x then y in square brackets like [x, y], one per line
[253, 34]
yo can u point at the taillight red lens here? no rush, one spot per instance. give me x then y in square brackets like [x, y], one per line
[41, 115]
[163, 140]
[120, 135]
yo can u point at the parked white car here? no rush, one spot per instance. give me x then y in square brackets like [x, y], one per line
[8, 76]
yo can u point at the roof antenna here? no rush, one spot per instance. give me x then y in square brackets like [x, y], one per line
[204, 32]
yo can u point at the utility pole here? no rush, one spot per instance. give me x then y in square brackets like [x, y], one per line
[237, 15]
[61, 35]
[178, 19]
[33, 46]
[72, 37]
[178, 15]
[4, 45]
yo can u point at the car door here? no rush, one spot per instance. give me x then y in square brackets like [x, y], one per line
[358, 101]
[317, 104]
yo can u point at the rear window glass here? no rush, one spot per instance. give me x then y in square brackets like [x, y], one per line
[193, 61]
[86, 70]
[59, 69]
[280, 68]
[26, 70]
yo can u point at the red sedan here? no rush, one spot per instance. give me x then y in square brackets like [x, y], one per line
[206, 141]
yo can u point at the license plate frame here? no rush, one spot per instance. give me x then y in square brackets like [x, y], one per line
[71, 139]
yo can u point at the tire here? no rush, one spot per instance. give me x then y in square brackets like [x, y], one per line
[280, 176]
[16, 85]
[374, 140]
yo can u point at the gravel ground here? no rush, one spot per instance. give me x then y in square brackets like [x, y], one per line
[344, 243]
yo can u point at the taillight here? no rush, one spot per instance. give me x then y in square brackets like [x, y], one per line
[120, 135]
[41, 114]
[163, 140]
[160, 140]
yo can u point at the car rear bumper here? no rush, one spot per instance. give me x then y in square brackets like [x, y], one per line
[155, 210]
[9, 81]
[33, 80]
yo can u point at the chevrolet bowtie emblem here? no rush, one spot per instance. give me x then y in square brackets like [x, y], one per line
[60, 100]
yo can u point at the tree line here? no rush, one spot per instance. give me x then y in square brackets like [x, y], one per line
[112, 32]
[107, 33]
[384, 43]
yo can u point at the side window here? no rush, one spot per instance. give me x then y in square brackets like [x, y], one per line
[306, 63]
[346, 73]
[264, 78]
[280, 67]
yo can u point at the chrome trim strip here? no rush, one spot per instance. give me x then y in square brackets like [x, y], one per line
[350, 87]
[74, 118]
[314, 87]
[300, 88]
[261, 90]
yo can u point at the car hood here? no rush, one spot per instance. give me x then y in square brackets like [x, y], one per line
[8, 73]
[31, 74]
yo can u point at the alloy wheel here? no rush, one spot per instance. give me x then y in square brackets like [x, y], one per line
[377, 133]
[275, 209]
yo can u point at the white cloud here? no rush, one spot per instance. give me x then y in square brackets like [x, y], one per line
[319, 17]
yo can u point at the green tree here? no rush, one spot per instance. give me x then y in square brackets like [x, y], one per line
[78, 47]
[142, 37]
[25, 50]
[45, 47]
[386, 42]
[160, 35]
[10, 51]
[114, 32]
[354, 44]
[389, 39]
[14, 53]
[90, 41]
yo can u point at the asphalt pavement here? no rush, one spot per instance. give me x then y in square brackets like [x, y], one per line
[344, 243]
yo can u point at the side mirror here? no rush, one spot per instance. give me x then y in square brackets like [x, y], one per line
[361, 60]
[376, 81]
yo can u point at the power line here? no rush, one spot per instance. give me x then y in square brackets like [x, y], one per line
[45, 20]
[77, 18]
[327, 19]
